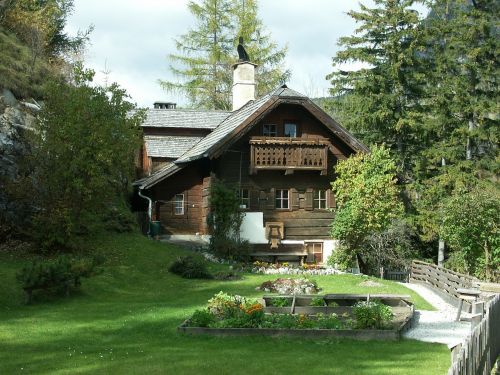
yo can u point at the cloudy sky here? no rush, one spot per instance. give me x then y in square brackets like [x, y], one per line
[132, 39]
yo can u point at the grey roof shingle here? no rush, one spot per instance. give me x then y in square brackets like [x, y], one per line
[163, 146]
[184, 118]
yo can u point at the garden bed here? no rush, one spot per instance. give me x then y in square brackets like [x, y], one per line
[337, 317]
[356, 334]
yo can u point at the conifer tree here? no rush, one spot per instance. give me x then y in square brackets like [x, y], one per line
[462, 96]
[207, 51]
[381, 102]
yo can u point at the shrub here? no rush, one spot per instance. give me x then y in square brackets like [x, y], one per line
[56, 274]
[223, 305]
[202, 318]
[371, 314]
[328, 322]
[190, 267]
[230, 248]
[342, 259]
[285, 321]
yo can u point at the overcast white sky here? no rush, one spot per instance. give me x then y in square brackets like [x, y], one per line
[133, 39]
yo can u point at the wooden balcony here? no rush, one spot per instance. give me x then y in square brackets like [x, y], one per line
[288, 154]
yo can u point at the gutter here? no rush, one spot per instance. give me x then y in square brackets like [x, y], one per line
[150, 203]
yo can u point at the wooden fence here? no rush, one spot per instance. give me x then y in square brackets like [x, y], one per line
[443, 280]
[477, 355]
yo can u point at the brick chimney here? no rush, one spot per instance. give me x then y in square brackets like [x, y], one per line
[243, 83]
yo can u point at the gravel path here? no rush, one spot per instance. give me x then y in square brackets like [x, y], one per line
[437, 326]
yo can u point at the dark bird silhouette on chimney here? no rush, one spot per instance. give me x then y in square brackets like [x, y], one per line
[242, 54]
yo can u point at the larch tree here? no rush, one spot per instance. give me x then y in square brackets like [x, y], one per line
[207, 51]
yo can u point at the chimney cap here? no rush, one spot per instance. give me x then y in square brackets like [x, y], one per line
[164, 105]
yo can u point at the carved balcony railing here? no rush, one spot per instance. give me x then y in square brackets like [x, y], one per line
[289, 154]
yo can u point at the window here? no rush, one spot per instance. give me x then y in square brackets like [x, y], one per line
[314, 252]
[179, 204]
[282, 199]
[290, 130]
[244, 195]
[270, 130]
[319, 199]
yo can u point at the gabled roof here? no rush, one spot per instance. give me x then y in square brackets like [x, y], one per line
[230, 129]
[167, 171]
[184, 118]
[235, 124]
[168, 146]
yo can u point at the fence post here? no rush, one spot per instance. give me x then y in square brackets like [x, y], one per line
[478, 308]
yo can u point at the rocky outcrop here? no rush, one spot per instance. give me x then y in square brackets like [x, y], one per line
[17, 117]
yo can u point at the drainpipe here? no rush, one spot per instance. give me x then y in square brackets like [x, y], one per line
[150, 208]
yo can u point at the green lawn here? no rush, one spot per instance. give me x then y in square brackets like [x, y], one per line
[124, 321]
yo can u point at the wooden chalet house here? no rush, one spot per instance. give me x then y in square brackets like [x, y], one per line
[279, 150]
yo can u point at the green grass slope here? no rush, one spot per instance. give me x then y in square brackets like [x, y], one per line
[124, 321]
[17, 71]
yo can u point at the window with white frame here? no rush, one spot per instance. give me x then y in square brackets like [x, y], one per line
[282, 201]
[179, 204]
[244, 196]
[269, 130]
[319, 199]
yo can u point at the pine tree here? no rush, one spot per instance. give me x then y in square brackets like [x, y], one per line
[462, 98]
[381, 102]
[207, 51]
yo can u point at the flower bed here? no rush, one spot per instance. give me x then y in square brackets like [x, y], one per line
[236, 315]
[289, 269]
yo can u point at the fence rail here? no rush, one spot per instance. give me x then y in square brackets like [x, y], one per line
[442, 279]
[477, 355]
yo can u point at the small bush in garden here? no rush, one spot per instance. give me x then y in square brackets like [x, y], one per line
[202, 318]
[190, 267]
[329, 322]
[285, 321]
[371, 314]
[281, 302]
[226, 276]
[317, 301]
[230, 248]
[342, 259]
[333, 304]
[223, 305]
[56, 274]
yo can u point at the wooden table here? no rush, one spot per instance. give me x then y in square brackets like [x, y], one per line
[469, 295]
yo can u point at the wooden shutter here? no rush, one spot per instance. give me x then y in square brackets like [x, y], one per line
[294, 199]
[254, 199]
[331, 199]
[262, 200]
[309, 199]
[271, 196]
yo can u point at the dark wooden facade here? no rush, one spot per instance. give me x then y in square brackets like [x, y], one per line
[302, 221]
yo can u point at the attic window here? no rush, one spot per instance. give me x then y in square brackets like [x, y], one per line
[270, 130]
